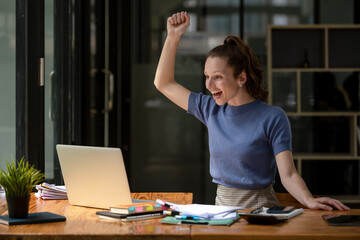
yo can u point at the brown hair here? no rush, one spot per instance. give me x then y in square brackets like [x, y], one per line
[242, 58]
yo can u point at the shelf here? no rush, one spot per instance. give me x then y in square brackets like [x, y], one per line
[344, 48]
[323, 114]
[323, 135]
[316, 91]
[346, 199]
[326, 157]
[316, 70]
[332, 177]
[297, 43]
[323, 46]
[321, 102]
[329, 91]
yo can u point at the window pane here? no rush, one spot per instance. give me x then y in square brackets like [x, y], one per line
[49, 66]
[259, 13]
[166, 141]
[7, 81]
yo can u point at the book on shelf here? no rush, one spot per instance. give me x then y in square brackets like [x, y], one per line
[142, 207]
[39, 217]
[111, 216]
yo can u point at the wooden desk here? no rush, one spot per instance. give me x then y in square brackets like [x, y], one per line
[82, 223]
[285, 199]
[308, 225]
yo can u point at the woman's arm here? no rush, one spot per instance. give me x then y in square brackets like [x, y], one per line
[164, 77]
[296, 186]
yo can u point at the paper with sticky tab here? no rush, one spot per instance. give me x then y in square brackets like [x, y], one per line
[206, 211]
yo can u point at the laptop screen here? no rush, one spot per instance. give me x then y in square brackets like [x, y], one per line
[94, 176]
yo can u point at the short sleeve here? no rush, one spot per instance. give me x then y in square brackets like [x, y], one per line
[280, 132]
[200, 106]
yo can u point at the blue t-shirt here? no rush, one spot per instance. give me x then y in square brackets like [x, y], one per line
[243, 140]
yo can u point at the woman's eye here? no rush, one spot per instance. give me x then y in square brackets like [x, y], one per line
[217, 77]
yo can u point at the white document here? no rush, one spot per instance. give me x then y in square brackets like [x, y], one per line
[207, 211]
[50, 191]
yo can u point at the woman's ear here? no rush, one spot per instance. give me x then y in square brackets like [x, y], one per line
[242, 78]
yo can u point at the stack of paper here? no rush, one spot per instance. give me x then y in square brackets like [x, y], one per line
[50, 191]
[205, 211]
[199, 214]
[211, 212]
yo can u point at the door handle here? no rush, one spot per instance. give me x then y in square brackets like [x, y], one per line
[109, 91]
[41, 72]
[52, 103]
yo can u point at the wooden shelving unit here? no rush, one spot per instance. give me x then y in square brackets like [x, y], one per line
[324, 114]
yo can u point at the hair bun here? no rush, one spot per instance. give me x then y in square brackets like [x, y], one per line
[230, 41]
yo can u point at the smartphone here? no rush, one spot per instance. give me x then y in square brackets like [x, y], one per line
[280, 209]
[342, 220]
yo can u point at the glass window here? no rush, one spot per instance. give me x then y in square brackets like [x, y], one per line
[49, 67]
[162, 130]
[260, 13]
[171, 140]
[7, 81]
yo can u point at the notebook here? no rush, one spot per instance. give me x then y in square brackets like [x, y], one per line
[94, 176]
[39, 217]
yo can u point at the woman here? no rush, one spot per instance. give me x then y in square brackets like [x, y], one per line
[247, 137]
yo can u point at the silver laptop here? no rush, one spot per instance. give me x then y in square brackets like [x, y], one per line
[94, 176]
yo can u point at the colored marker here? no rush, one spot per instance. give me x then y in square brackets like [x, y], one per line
[171, 213]
[184, 217]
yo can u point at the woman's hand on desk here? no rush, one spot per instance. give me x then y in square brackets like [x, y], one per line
[326, 203]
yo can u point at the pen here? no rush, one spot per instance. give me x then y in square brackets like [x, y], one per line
[257, 210]
[183, 217]
[171, 213]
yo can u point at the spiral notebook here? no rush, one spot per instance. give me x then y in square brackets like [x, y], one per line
[106, 215]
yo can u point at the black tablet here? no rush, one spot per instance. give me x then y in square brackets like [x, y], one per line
[342, 220]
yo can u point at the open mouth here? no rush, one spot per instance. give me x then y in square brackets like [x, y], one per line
[217, 94]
